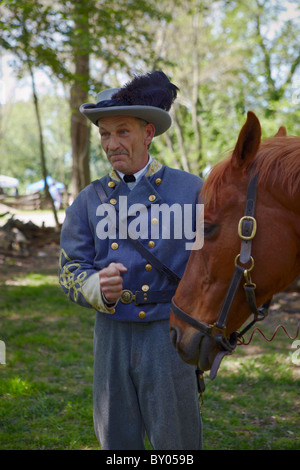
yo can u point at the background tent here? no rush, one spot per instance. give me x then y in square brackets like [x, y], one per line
[8, 182]
[40, 185]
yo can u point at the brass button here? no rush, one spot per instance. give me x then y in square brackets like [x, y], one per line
[113, 201]
[114, 246]
[111, 311]
[151, 244]
[111, 184]
[148, 267]
[154, 221]
[145, 288]
[152, 197]
[142, 314]
[158, 181]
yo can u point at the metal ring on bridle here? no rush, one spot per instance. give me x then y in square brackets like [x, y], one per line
[251, 259]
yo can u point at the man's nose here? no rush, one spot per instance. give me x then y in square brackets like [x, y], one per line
[113, 142]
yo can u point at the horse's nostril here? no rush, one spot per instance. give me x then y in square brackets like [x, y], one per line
[186, 344]
[173, 336]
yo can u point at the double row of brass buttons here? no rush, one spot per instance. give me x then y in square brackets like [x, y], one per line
[151, 243]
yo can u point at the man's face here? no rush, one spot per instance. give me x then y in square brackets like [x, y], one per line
[125, 141]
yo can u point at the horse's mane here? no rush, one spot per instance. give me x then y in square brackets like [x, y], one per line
[277, 160]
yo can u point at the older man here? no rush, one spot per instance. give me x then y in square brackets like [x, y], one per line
[124, 262]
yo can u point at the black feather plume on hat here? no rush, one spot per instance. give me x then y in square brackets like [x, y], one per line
[151, 89]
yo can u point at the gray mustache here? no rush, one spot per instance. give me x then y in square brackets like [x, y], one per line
[111, 153]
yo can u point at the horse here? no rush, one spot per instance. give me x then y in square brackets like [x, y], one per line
[251, 247]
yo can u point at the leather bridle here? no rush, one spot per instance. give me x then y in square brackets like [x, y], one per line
[227, 344]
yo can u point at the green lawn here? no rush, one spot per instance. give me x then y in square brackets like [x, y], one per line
[46, 383]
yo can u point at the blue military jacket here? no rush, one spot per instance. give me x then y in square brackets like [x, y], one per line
[90, 241]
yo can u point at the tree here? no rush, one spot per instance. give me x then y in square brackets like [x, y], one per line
[80, 128]
[268, 32]
[225, 61]
[101, 35]
[27, 31]
[65, 37]
[224, 55]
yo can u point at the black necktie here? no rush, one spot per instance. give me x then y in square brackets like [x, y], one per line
[129, 178]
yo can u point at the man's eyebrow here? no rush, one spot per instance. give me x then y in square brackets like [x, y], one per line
[123, 124]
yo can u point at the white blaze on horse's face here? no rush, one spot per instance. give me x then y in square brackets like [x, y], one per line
[275, 247]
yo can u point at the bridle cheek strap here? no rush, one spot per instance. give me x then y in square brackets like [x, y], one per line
[246, 231]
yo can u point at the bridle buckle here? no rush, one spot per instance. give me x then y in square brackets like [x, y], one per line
[217, 330]
[248, 218]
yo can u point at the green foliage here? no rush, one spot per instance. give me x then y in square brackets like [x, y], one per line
[229, 57]
[226, 57]
[20, 147]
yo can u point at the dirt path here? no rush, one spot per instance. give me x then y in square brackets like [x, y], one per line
[46, 218]
[39, 218]
[42, 260]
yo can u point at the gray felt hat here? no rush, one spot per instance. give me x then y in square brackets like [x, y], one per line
[148, 97]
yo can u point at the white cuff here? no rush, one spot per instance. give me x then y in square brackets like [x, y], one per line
[92, 293]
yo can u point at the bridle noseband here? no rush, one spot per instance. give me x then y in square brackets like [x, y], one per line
[246, 231]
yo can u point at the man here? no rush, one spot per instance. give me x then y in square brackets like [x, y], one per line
[55, 194]
[140, 384]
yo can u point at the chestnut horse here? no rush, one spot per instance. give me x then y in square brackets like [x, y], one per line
[251, 245]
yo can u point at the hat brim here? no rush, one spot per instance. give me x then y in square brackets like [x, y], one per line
[158, 117]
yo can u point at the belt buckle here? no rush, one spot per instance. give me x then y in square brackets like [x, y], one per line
[127, 296]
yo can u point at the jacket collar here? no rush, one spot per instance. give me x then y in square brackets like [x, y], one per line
[154, 167]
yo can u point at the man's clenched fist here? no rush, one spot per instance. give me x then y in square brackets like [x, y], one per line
[111, 281]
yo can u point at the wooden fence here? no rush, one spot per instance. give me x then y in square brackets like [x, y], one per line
[27, 202]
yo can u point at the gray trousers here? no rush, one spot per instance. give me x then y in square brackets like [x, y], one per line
[141, 385]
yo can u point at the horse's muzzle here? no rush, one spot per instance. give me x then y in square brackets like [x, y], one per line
[194, 347]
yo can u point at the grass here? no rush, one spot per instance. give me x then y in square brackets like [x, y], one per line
[46, 383]
[253, 404]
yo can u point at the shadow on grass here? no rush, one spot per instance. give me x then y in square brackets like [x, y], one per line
[46, 384]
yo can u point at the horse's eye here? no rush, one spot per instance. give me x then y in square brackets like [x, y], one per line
[209, 230]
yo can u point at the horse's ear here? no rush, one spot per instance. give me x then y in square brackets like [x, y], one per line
[247, 143]
[281, 132]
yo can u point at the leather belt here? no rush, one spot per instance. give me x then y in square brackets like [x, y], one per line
[149, 297]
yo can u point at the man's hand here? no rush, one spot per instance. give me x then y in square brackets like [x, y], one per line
[111, 281]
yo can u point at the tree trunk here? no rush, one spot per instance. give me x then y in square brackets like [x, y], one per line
[80, 128]
[195, 91]
[183, 156]
[42, 147]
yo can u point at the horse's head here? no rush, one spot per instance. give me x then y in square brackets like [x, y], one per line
[272, 242]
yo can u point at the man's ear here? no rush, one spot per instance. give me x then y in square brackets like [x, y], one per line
[149, 131]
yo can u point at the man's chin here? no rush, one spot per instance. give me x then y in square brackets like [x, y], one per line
[119, 162]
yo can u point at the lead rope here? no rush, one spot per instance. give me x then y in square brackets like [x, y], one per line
[243, 343]
[200, 384]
